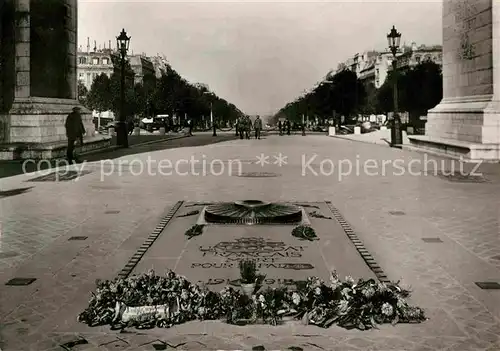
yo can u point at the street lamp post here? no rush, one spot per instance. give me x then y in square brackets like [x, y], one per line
[211, 114]
[212, 119]
[394, 40]
[122, 42]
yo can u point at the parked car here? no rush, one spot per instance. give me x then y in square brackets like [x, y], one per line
[154, 123]
[104, 129]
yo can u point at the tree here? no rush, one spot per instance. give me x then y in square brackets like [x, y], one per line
[370, 105]
[423, 88]
[139, 103]
[174, 95]
[115, 89]
[348, 93]
[343, 93]
[100, 97]
[82, 93]
[419, 89]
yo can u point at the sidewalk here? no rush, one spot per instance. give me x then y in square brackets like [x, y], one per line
[391, 213]
[380, 137]
[141, 144]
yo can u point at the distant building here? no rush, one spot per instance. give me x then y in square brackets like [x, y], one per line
[375, 69]
[90, 64]
[144, 70]
[414, 55]
[160, 65]
[373, 66]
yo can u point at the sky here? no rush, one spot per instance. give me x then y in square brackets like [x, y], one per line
[258, 55]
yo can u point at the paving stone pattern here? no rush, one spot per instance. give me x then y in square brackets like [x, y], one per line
[35, 227]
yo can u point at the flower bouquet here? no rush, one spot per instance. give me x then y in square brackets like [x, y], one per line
[248, 276]
[304, 232]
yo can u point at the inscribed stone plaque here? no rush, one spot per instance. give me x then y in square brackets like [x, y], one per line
[467, 48]
[213, 257]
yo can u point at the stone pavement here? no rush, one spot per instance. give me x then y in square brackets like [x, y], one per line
[390, 211]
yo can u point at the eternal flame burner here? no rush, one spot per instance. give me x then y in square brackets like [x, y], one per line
[253, 212]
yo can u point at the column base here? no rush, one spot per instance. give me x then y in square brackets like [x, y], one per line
[41, 120]
[466, 151]
[48, 151]
[466, 128]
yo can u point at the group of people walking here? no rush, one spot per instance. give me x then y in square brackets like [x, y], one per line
[244, 126]
[286, 125]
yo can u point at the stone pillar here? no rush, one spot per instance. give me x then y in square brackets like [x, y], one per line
[72, 28]
[22, 40]
[45, 84]
[467, 121]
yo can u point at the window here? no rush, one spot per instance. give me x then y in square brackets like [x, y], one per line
[83, 60]
[95, 61]
[105, 61]
[81, 76]
[94, 75]
[89, 81]
[418, 59]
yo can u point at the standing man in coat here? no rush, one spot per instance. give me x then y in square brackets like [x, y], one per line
[74, 131]
[257, 125]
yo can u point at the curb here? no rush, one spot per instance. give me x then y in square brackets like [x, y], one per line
[115, 147]
[360, 247]
[400, 146]
[134, 260]
[158, 141]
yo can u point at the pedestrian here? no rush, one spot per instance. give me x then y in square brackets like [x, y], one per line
[257, 126]
[288, 127]
[236, 126]
[280, 127]
[74, 132]
[248, 127]
[130, 126]
[241, 127]
[190, 127]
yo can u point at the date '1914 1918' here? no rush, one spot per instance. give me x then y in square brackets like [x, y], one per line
[236, 282]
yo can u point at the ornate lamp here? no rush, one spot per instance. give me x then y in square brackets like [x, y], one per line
[123, 41]
[394, 40]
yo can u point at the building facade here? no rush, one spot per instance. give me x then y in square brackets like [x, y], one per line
[92, 64]
[160, 65]
[144, 70]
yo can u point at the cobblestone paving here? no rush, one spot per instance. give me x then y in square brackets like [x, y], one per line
[390, 213]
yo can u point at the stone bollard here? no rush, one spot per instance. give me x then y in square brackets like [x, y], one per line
[331, 131]
[137, 131]
[162, 131]
[357, 130]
